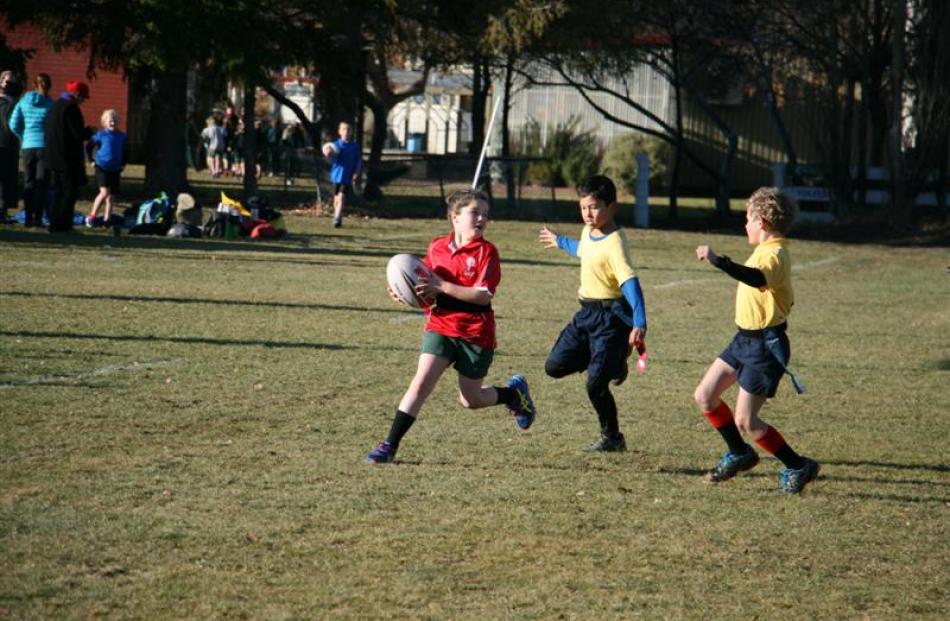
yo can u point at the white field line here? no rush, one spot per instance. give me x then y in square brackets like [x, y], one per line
[818, 263]
[698, 281]
[106, 370]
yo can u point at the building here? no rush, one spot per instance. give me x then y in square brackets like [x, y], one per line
[107, 89]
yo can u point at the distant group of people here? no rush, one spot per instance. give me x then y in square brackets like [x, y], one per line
[222, 142]
[50, 138]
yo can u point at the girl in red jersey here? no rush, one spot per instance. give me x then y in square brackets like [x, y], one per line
[460, 330]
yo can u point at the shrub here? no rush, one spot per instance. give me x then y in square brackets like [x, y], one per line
[620, 161]
[573, 154]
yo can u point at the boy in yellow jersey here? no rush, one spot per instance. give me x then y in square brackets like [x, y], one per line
[612, 318]
[758, 355]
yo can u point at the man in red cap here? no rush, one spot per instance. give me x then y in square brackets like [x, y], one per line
[65, 134]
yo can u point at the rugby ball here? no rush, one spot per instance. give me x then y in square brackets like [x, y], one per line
[402, 273]
[330, 149]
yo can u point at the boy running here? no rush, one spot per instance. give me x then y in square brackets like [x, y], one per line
[758, 355]
[460, 330]
[612, 319]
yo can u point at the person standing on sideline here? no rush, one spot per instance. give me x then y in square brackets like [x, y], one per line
[758, 355]
[29, 123]
[344, 168]
[66, 132]
[110, 146]
[9, 146]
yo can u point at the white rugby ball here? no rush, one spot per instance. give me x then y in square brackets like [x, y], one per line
[402, 273]
[330, 149]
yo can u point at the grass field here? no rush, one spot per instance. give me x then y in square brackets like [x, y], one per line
[184, 422]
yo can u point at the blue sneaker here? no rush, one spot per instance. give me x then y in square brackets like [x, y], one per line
[793, 481]
[384, 453]
[732, 464]
[523, 410]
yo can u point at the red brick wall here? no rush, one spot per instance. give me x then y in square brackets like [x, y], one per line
[107, 89]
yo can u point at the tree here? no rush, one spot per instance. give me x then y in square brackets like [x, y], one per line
[673, 38]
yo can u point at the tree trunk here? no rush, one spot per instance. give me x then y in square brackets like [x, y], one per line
[479, 96]
[902, 204]
[250, 142]
[373, 188]
[505, 138]
[787, 145]
[165, 158]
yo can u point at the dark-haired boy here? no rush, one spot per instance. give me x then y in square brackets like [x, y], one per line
[612, 318]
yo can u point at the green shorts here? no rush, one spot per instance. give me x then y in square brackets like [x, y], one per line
[471, 361]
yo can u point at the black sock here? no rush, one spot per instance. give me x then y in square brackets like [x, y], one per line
[401, 425]
[789, 457]
[506, 396]
[730, 433]
[605, 406]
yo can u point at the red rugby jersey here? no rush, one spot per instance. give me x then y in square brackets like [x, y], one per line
[475, 264]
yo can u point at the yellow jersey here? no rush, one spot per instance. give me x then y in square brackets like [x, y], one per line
[605, 265]
[759, 308]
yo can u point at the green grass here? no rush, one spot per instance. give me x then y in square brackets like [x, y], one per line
[183, 422]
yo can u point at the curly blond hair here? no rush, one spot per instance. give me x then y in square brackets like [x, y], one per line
[776, 209]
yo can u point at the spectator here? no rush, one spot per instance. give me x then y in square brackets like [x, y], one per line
[230, 122]
[110, 145]
[213, 137]
[9, 146]
[272, 142]
[29, 123]
[291, 140]
[65, 134]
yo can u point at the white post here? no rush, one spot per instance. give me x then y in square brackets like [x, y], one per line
[641, 212]
[481, 158]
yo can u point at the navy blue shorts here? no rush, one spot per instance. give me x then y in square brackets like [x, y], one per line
[757, 369]
[596, 340]
[108, 179]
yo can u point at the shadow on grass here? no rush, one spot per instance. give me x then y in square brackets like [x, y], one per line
[884, 464]
[468, 465]
[179, 300]
[856, 464]
[178, 339]
[295, 244]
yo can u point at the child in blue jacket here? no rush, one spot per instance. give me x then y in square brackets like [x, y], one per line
[109, 144]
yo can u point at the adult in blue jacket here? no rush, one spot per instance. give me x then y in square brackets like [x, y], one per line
[29, 124]
[346, 158]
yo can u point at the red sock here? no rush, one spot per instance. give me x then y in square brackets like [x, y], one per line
[774, 443]
[721, 419]
[771, 441]
[719, 416]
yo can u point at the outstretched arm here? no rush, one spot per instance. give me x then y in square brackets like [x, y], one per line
[551, 239]
[746, 275]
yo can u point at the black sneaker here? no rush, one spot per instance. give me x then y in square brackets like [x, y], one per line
[732, 464]
[609, 444]
[793, 481]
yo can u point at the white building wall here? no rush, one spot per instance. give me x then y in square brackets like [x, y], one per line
[553, 105]
[449, 128]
